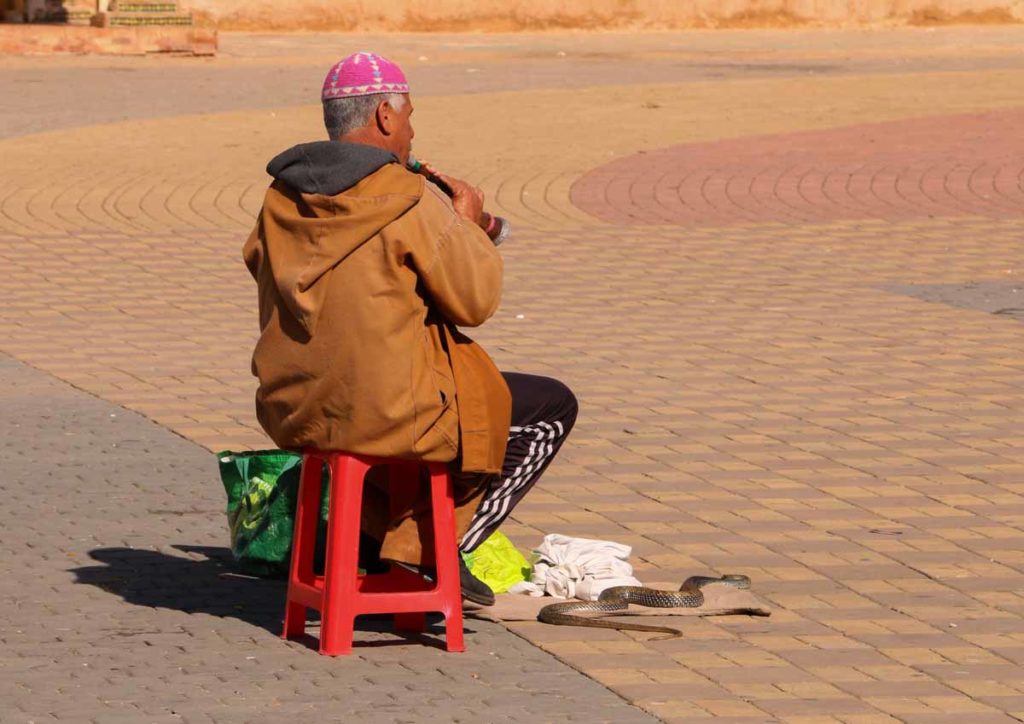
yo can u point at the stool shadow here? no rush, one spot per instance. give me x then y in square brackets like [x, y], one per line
[209, 584]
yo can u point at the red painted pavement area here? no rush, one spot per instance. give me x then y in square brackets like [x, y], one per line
[963, 165]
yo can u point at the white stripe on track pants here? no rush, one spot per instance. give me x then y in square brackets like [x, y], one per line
[543, 413]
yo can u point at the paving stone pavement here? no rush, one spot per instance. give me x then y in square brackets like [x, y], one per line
[120, 604]
[967, 165]
[110, 89]
[767, 384]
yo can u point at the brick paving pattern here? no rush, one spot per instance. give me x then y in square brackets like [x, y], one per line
[761, 391]
[120, 604]
[968, 165]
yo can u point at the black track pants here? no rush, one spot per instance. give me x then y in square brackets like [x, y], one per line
[543, 413]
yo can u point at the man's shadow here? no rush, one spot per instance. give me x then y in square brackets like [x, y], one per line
[205, 582]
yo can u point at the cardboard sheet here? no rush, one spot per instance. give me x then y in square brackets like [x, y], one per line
[719, 600]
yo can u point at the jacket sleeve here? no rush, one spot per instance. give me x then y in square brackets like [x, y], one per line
[459, 266]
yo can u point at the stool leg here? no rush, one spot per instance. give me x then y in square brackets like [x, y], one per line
[307, 517]
[446, 552]
[403, 484]
[341, 569]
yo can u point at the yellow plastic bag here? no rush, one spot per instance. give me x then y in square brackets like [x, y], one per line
[498, 563]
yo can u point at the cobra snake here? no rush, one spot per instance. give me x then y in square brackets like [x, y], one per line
[618, 598]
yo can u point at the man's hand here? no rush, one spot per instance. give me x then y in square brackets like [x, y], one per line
[468, 200]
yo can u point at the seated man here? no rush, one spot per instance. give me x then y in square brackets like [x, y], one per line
[364, 270]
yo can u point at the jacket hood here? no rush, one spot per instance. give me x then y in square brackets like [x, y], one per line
[327, 167]
[327, 200]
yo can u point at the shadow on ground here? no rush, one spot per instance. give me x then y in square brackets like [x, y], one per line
[205, 582]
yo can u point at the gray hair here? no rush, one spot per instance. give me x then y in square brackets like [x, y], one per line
[344, 115]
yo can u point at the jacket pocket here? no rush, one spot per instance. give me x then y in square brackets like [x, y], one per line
[440, 367]
[437, 421]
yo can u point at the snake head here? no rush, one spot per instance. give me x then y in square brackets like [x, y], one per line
[736, 579]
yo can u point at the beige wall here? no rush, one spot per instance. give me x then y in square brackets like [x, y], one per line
[426, 15]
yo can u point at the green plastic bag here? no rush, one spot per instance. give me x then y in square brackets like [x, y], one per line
[262, 488]
[498, 563]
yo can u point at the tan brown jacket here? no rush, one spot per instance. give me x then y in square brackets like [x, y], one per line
[359, 295]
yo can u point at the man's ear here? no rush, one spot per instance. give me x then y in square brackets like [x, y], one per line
[385, 118]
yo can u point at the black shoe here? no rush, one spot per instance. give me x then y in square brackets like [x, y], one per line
[473, 589]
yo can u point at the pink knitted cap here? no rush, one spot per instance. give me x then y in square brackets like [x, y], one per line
[363, 74]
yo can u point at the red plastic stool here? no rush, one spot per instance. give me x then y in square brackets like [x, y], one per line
[342, 593]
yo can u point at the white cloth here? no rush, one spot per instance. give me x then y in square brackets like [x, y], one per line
[577, 568]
